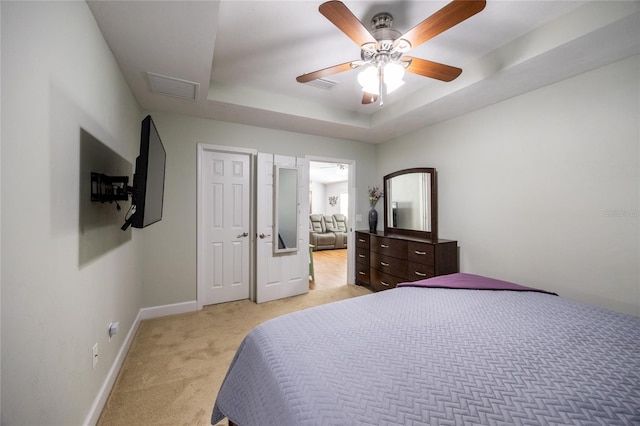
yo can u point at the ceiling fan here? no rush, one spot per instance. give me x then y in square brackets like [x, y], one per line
[384, 48]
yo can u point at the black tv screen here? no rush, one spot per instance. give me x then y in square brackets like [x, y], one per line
[148, 179]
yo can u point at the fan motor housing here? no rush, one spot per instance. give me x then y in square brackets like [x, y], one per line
[381, 20]
[381, 30]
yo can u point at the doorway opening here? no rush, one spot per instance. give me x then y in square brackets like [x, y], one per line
[330, 229]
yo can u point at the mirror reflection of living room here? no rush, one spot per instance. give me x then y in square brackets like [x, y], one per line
[328, 225]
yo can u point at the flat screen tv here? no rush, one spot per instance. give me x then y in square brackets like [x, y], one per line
[147, 193]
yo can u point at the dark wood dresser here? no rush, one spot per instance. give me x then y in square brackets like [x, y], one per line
[384, 260]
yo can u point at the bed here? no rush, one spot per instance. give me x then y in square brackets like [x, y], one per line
[450, 350]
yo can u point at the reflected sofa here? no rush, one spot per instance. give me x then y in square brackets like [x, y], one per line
[328, 232]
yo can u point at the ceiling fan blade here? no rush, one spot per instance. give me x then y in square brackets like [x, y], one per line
[340, 15]
[447, 17]
[305, 78]
[368, 98]
[431, 69]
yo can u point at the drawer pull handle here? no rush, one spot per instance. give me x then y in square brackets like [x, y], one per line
[360, 240]
[420, 274]
[384, 284]
[384, 264]
[361, 273]
[384, 246]
[361, 256]
[420, 252]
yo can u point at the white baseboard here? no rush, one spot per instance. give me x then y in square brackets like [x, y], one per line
[112, 375]
[163, 311]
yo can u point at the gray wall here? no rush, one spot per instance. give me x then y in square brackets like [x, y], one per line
[60, 83]
[543, 189]
[170, 269]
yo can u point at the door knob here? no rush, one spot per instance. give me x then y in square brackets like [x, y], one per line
[244, 234]
[263, 235]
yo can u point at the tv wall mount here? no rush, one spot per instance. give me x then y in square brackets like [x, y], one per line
[110, 189]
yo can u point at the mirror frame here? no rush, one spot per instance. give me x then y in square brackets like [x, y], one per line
[276, 209]
[431, 235]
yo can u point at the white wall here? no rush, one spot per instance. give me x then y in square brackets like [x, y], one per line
[318, 194]
[543, 189]
[334, 190]
[170, 269]
[58, 79]
[321, 193]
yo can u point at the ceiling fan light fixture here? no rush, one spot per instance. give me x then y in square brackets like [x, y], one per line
[393, 85]
[393, 74]
[369, 80]
[373, 90]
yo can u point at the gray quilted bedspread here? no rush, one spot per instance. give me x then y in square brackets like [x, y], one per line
[418, 356]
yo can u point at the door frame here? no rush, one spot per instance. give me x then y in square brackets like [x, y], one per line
[251, 153]
[351, 190]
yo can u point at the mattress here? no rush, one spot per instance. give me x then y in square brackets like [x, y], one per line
[426, 355]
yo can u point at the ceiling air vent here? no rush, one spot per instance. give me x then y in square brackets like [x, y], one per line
[170, 86]
[322, 83]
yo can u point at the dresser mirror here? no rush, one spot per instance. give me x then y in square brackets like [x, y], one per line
[411, 206]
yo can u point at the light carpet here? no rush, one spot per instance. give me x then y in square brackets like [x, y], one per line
[176, 364]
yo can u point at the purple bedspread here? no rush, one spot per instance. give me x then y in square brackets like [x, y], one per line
[470, 282]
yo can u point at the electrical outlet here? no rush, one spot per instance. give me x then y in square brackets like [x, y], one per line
[95, 355]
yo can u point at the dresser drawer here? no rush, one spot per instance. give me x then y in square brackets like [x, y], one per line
[421, 253]
[382, 281]
[389, 265]
[383, 260]
[362, 240]
[362, 274]
[362, 255]
[420, 271]
[389, 246]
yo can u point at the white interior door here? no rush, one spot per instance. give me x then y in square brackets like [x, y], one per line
[223, 226]
[283, 274]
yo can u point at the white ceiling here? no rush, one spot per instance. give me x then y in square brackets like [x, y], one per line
[327, 173]
[245, 56]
